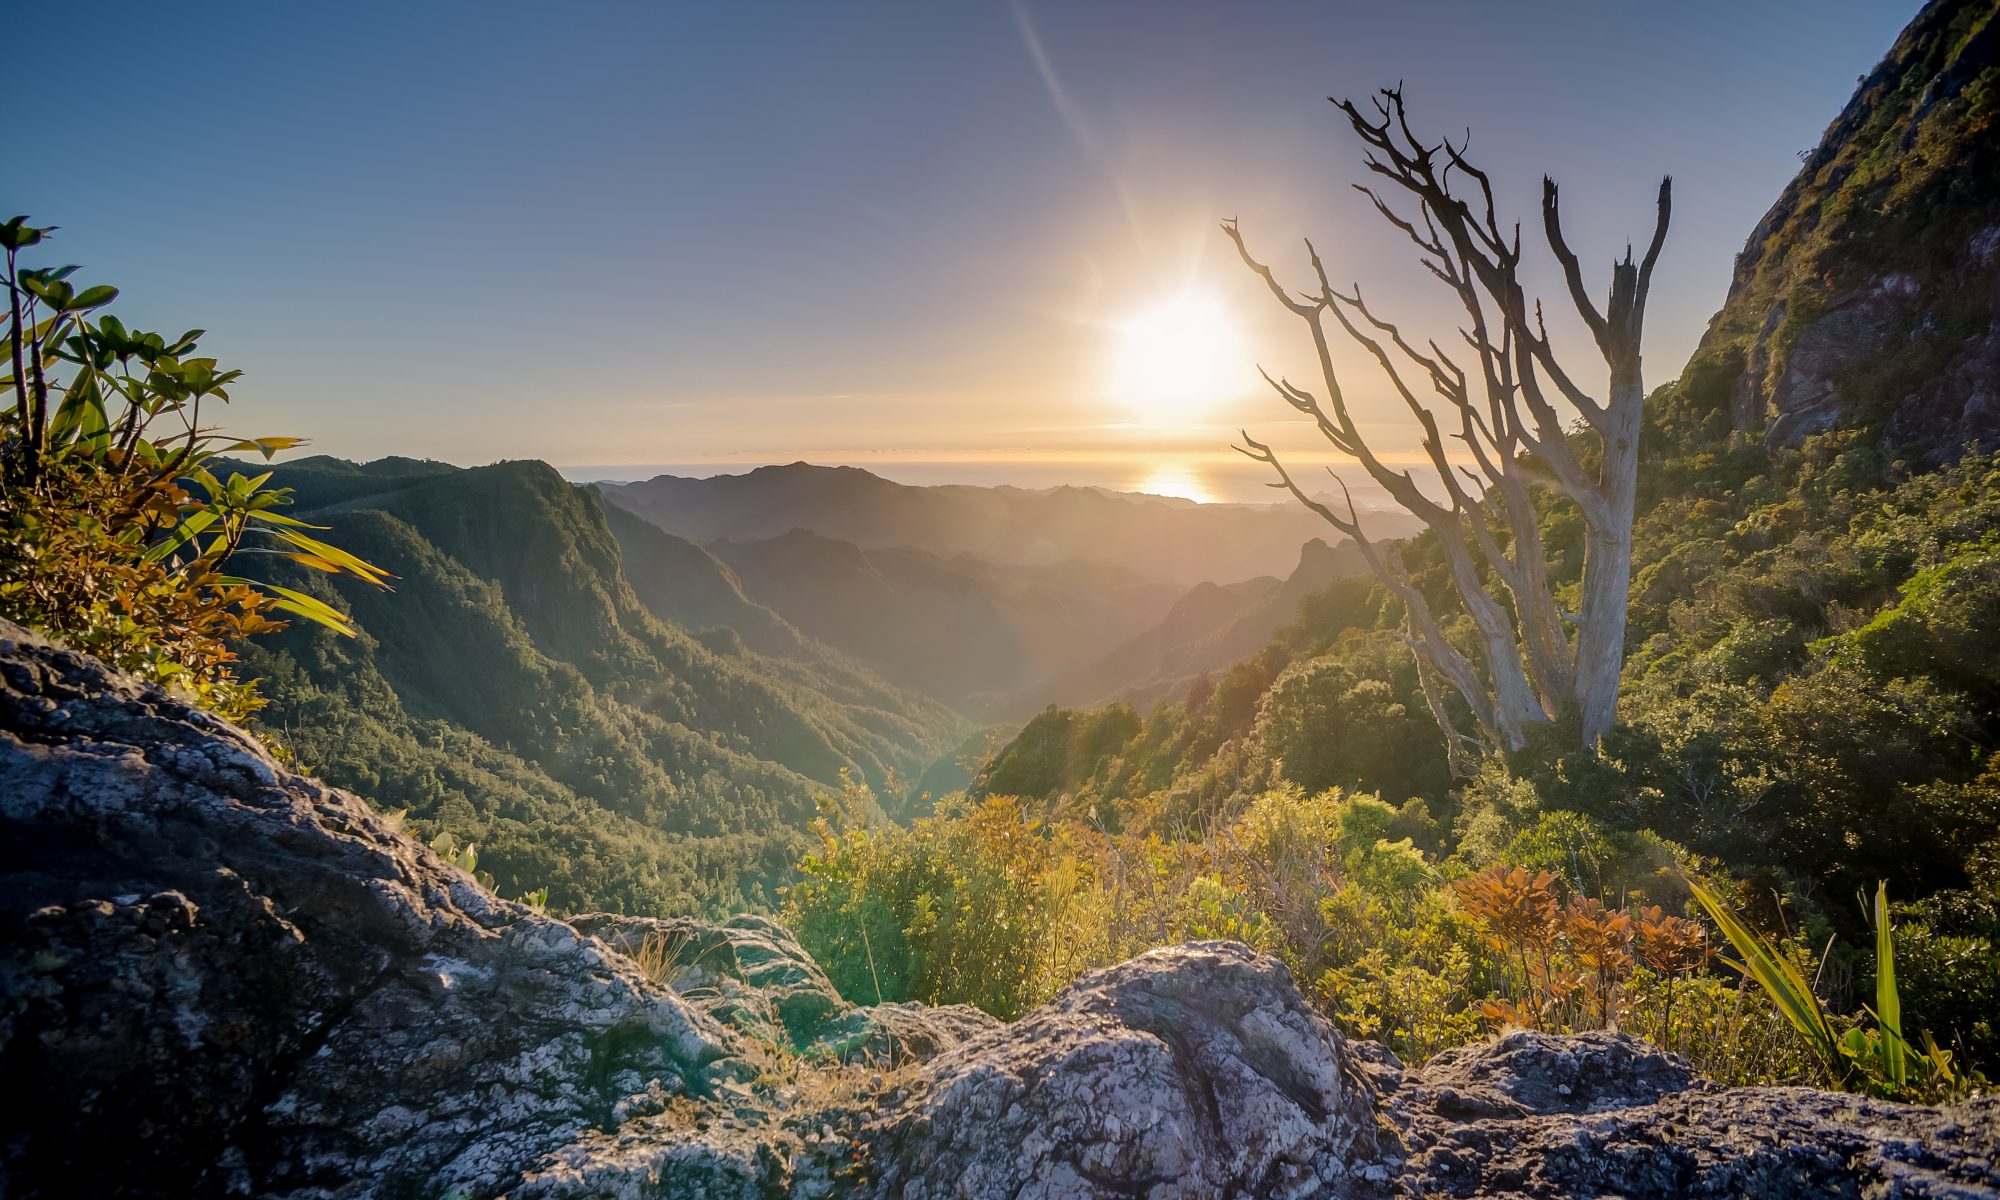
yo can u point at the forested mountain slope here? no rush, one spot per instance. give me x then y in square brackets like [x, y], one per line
[685, 585]
[514, 691]
[1867, 296]
[961, 629]
[1209, 629]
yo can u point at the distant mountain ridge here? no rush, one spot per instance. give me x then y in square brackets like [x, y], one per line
[1161, 538]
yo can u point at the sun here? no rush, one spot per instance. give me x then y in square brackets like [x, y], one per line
[1175, 362]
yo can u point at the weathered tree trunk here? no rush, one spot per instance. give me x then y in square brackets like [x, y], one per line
[1607, 567]
[1528, 671]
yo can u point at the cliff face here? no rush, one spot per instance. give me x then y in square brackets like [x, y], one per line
[1868, 296]
[218, 977]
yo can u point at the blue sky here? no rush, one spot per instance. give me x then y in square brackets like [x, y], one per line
[621, 232]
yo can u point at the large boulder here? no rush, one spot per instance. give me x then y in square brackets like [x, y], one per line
[219, 976]
[1189, 1071]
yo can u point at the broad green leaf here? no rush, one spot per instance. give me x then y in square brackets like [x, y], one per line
[299, 604]
[360, 568]
[314, 561]
[266, 446]
[94, 297]
[265, 516]
[182, 534]
[1888, 1006]
[80, 419]
[17, 234]
[241, 486]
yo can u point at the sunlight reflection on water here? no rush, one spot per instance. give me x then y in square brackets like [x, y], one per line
[1176, 480]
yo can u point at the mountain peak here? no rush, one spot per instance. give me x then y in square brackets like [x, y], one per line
[1868, 297]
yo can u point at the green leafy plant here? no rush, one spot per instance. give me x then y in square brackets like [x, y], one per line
[1877, 1059]
[463, 855]
[116, 516]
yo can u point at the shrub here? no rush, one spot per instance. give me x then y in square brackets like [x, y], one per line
[114, 525]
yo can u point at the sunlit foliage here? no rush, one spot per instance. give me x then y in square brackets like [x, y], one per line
[1810, 704]
[984, 903]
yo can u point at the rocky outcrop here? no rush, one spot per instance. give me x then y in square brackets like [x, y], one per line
[1606, 1114]
[218, 977]
[1869, 295]
[1197, 1071]
[1189, 1071]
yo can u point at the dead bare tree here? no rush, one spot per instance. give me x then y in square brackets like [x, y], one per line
[1531, 662]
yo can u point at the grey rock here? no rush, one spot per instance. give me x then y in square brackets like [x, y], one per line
[1189, 1071]
[218, 976]
[1605, 1114]
[665, 1158]
[1532, 1073]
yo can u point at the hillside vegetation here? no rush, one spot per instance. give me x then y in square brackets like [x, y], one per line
[959, 629]
[1212, 627]
[1868, 295]
[514, 693]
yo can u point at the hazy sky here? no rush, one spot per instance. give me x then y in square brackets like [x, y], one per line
[645, 233]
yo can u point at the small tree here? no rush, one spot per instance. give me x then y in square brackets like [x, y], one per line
[113, 524]
[1526, 667]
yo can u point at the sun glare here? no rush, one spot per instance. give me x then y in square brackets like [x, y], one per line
[1178, 482]
[1178, 360]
